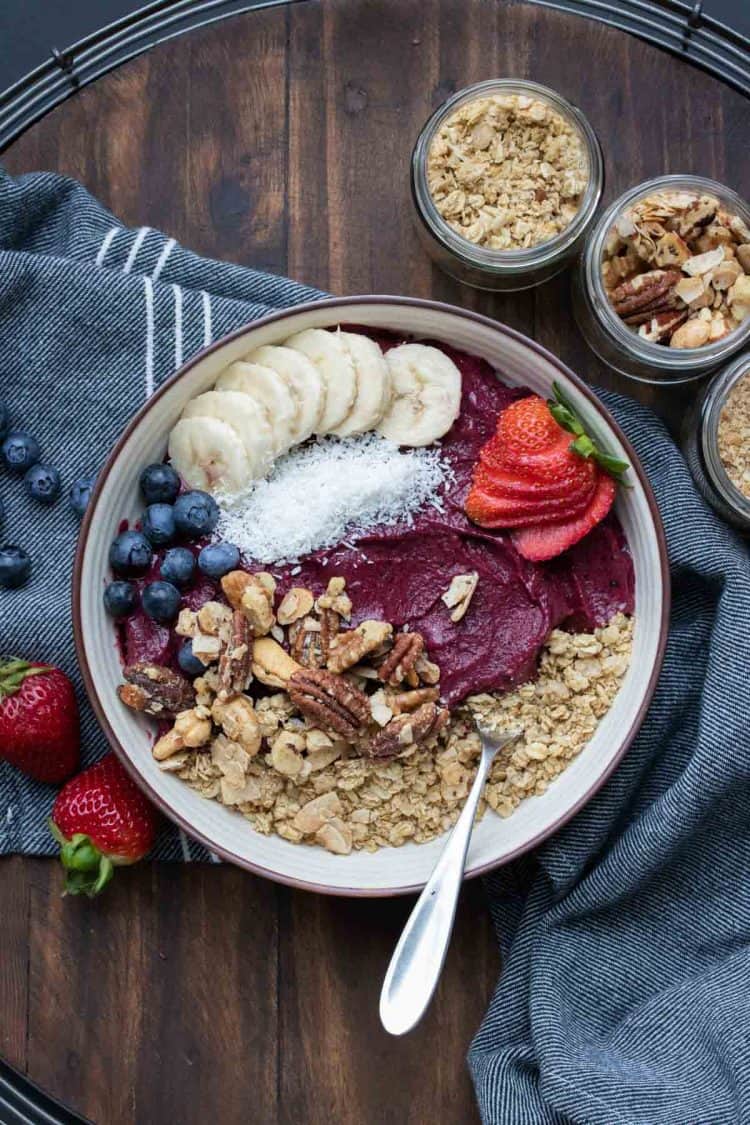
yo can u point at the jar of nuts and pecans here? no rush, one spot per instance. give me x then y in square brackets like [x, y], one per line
[716, 443]
[662, 290]
[506, 177]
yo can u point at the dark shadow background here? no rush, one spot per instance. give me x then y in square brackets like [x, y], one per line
[30, 28]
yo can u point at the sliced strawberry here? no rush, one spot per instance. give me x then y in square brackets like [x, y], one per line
[501, 511]
[571, 486]
[538, 542]
[527, 426]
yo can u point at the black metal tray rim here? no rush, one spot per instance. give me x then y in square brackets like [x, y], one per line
[678, 26]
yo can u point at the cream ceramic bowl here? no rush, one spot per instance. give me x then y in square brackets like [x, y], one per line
[390, 870]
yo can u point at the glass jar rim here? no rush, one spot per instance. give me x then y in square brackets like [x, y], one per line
[507, 261]
[713, 404]
[678, 360]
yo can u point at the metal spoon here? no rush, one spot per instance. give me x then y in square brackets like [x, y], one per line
[418, 958]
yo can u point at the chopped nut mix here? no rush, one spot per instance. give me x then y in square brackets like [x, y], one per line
[676, 268]
[352, 761]
[507, 171]
[343, 801]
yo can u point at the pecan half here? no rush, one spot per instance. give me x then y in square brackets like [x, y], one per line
[310, 639]
[642, 291]
[411, 700]
[661, 326]
[347, 649]
[400, 663]
[331, 701]
[155, 690]
[406, 730]
[306, 643]
[660, 305]
[235, 666]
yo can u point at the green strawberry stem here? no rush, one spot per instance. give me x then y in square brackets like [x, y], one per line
[13, 672]
[87, 870]
[563, 411]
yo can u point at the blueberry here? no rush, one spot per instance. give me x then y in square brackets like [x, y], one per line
[15, 566]
[218, 559]
[42, 483]
[160, 484]
[4, 419]
[120, 598]
[80, 494]
[161, 601]
[130, 554]
[178, 566]
[20, 451]
[157, 524]
[189, 662]
[195, 514]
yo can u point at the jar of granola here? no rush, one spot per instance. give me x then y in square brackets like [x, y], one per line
[506, 177]
[716, 443]
[662, 290]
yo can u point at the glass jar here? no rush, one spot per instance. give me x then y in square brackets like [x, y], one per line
[606, 334]
[700, 445]
[480, 266]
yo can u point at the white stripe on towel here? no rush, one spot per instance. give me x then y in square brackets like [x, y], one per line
[138, 242]
[106, 243]
[206, 318]
[185, 847]
[177, 326]
[148, 289]
[169, 246]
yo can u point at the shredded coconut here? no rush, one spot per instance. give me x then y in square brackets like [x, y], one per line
[335, 487]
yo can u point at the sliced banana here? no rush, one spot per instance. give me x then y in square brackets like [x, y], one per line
[243, 414]
[267, 388]
[426, 395]
[336, 370]
[208, 454]
[373, 384]
[303, 379]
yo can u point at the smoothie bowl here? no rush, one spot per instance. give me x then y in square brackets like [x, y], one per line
[371, 531]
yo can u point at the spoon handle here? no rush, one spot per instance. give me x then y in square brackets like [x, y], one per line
[418, 958]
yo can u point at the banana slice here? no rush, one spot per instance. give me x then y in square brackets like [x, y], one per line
[208, 454]
[426, 389]
[268, 389]
[302, 377]
[243, 414]
[336, 371]
[373, 384]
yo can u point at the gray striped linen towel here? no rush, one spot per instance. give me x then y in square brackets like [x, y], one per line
[93, 317]
[623, 997]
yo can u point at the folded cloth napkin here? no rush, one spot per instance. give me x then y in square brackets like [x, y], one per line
[94, 316]
[624, 996]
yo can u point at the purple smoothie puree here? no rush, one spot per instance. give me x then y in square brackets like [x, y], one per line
[399, 574]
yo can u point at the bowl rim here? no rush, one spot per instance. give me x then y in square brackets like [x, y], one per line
[353, 302]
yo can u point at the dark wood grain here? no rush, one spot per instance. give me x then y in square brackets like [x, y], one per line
[281, 139]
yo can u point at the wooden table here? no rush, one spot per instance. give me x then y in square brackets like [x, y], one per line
[281, 139]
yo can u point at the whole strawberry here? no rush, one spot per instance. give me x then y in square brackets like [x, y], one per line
[101, 820]
[39, 724]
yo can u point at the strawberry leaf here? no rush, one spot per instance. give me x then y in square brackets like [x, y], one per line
[13, 672]
[564, 413]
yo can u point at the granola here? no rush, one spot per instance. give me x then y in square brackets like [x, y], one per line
[734, 434]
[507, 171]
[291, 772]
[676, 268]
